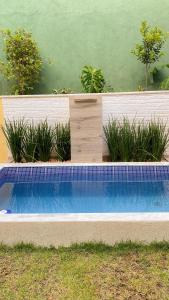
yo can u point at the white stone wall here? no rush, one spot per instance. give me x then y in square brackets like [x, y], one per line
[37, 108]
[136, 105]
[55, 108]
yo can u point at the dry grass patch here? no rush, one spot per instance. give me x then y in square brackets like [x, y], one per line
[87, 272]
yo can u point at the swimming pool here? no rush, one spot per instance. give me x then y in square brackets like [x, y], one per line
[84, 189]
[64, 204]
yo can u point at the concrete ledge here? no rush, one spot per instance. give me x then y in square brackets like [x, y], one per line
[58, 164]
[65, 229]
[85, 217]
[66, 233]
[87, 94]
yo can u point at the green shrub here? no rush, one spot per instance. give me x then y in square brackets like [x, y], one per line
[45, 136]
[136, 141]
[14, 132]
[62, 142]
[23, 62]
[29, 144]
[92, 80]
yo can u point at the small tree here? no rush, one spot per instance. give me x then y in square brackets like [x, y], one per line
[23, 62]
[149, 51]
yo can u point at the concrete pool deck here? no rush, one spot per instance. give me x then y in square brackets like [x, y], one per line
[65, 229]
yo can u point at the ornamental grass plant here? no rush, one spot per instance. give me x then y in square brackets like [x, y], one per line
[29, 148]
[14, 132]
[41, 142]
[62, 141]
[45, 135]
[136, 141]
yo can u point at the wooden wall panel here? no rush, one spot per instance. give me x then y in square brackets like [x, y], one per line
[86, 128]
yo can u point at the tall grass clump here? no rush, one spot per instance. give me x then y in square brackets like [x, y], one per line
[62, 141]
[29, 148]
[155, 138]
[45, 136]
[131, 141]
[111, 131]
[127, 138]
[120, 138]
[14, 132]
[159, 139]
[141, 146]
[30, 143]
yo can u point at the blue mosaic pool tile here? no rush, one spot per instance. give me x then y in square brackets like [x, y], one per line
[85, 173]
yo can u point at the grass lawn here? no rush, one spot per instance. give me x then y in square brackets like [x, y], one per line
[89, 271]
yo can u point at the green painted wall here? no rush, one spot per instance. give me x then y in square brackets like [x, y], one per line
[72, 33]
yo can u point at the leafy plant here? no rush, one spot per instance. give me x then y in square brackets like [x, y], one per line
[45, 136]
[29, 144]
[149, 51]
[14, 132]
[62, 141]
[92, 80]
[63, 91]
[131, 141]
[23, 62]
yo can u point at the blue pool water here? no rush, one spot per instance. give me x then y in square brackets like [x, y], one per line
[45, 193]
[88, 197]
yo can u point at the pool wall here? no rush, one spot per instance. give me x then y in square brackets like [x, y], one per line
[57, 231]
[65, 229]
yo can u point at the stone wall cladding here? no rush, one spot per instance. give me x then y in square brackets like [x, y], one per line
[55, 109]
[136, 105]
